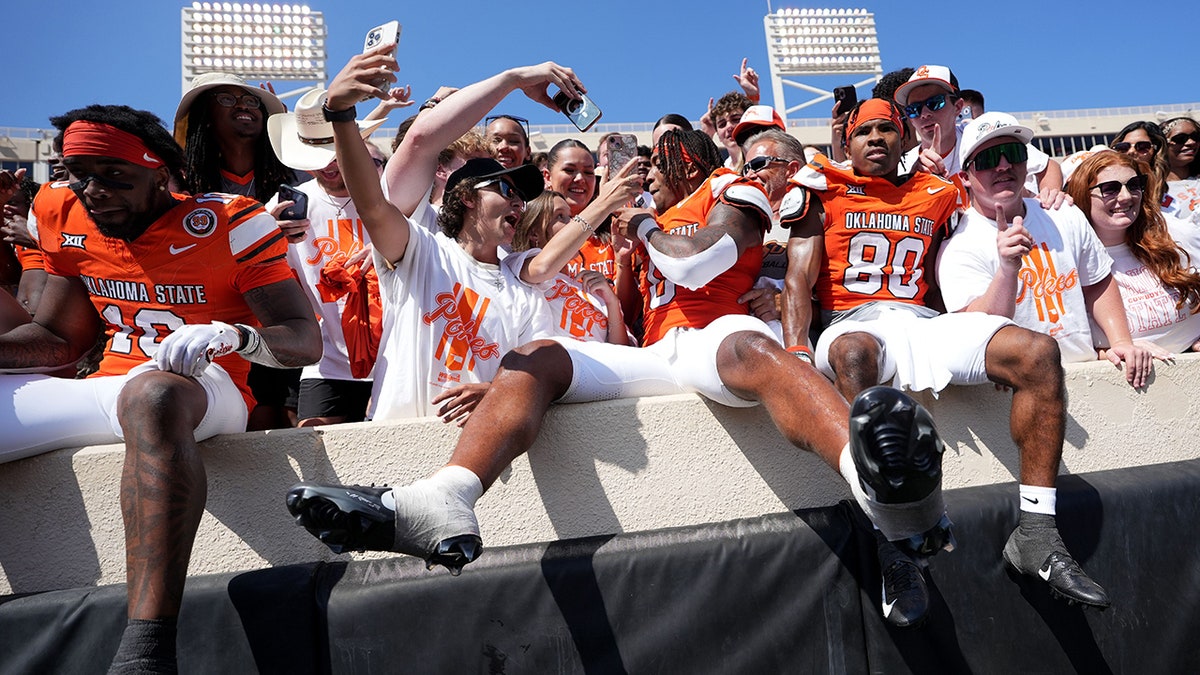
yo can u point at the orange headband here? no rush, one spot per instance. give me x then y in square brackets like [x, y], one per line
[102, 140]
[874, 109]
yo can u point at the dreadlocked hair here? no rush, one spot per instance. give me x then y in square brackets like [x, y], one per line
[202, 155]
[145, 125]
[677, 150]
[454, 207]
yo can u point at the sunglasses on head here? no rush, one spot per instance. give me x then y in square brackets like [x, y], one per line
[1180, 139]
[524, 123]
[761, 162]
[1111, 188]
[506, 189]
[229, 100]
[1014, 152]
[934, 103]
[1140, 146]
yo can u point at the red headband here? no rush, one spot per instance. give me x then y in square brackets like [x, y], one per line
[874, 109]
[101, 140]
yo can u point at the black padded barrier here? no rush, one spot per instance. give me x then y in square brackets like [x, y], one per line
[786, 593]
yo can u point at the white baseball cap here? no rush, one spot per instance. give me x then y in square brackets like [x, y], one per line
[939, 75]
[988, 126]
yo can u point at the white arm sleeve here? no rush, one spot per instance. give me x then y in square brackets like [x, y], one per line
[696, 270]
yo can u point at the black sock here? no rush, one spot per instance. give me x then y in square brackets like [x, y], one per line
[147, 646]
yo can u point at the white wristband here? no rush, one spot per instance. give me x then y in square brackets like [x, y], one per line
[645, 225]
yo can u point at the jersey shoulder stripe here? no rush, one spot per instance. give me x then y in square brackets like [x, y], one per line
[253, 236]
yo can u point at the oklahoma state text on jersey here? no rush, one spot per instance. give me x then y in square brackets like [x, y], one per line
[667, 305]
[877, 235]
[191, 266]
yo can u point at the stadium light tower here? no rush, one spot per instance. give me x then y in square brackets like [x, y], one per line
[819, 42]
[258, 41]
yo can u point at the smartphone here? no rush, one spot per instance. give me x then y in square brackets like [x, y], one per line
[298, 210]
[387, 34]
[847, 98]
[581, 111]
[621, 149]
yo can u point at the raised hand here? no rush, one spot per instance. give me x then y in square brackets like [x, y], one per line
[534, 81]
[365, 76]
[930, 161]
[748, 80]
[1013, 242]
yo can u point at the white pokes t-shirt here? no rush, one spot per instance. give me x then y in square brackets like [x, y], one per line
[1037, 162]
[1149, 306]
[1066, 257]
[334, 230]
[447, 320]
[574, 312]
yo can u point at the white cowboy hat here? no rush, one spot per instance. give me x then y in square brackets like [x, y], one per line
[303, 140]
[270, 102]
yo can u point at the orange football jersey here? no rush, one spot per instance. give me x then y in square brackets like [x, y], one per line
[595, 254]
[877, 234]
[190, 267]
[668, 305]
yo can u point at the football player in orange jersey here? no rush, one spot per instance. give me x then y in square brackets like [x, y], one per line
[704, 253]
[867, 248]
[180, 281]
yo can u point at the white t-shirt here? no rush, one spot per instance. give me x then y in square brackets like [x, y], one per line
[334, 230]
[1037, 162]
[1067, 256]
[447, 320]
[1149, 306]
[1183, 200]
[574, 312]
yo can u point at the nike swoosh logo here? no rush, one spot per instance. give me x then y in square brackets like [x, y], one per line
[887, 607]
[176, 250]
[1045, 574]
[1031, 501]
[146, 156]
[934, 191]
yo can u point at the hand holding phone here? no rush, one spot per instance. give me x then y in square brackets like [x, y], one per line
[621, 149]
[387, 34]
[299, 208]
[581, 111]
[846, 97]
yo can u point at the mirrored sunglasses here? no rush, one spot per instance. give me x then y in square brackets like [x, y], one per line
[1014, 152]
[506, 189]
[934, 103]
[761, 162]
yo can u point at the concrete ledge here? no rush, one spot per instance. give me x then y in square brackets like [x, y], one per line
[597, 468]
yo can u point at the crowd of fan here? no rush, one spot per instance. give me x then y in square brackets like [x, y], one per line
[394, 255]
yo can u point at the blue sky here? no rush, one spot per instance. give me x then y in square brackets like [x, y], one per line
[639, 59]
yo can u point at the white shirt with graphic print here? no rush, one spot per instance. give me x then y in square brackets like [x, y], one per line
[574, 312]
[332, 231]
[1067, 256]
[1149, 306]
[447, 320]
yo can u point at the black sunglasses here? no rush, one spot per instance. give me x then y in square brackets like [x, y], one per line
[1109, 189]
[1180, 139]
[934, 103]
[229, 100]
[506, 189]
[1015, 153]
[524, 123]
[1140, 146]
[107, 183]
[761, 162]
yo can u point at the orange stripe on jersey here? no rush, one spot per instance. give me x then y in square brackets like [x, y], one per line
[669, 306]
[877, 234]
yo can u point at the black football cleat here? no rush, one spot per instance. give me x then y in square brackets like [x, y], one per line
[904, 598]
[1026, 552]
[429, 522]
[895, 447]
[344, 517]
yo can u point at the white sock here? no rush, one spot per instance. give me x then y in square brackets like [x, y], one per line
[895, 521]
[1038, 499]
[457, 479]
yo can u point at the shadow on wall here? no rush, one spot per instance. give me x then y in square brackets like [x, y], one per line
[60, 539]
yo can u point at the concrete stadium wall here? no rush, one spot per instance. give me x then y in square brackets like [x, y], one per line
[598, 468]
